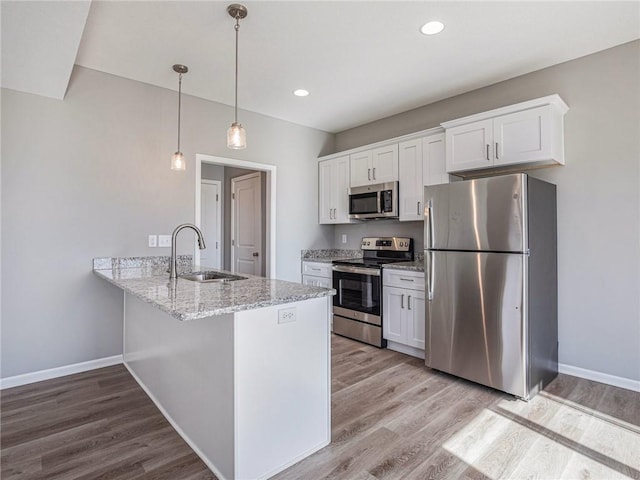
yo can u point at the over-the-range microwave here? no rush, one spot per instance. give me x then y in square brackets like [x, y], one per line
[374, 201]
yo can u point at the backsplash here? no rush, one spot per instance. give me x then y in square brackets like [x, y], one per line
[378, 228]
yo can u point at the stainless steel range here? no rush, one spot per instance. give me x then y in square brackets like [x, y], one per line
[357, 305]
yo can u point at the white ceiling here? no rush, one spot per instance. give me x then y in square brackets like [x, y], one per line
[361, 60]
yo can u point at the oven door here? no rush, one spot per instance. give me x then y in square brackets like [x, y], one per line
[358, 293]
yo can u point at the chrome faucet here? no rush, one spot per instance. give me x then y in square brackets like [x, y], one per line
[173, 263]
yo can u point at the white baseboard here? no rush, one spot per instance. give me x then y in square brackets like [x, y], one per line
[609, 379]
[50, 373]
[406, 349]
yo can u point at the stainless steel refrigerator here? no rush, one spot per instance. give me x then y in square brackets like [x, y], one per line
[491, 282]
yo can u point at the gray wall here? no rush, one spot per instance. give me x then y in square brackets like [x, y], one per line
[598, 196]
[89, 176]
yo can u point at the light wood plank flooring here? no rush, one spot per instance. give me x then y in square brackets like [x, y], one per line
[391, 418]
[93, 425]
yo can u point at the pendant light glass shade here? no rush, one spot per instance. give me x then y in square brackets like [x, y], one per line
[177, 162]
[177, 159]
[236, 136]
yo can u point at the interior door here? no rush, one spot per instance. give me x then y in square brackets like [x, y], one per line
[474, 320]
[246, 220]
[210, 224]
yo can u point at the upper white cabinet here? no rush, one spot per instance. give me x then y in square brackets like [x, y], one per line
[378, 165]
[333, 190]
[421, 162]
[527, 134]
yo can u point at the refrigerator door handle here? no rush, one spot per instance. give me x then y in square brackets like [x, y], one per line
[428, 214]
[428, 260]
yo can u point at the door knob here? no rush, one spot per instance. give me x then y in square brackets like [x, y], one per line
[255, 254]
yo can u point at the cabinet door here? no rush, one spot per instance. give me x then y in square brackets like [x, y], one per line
[410, 167]
[523, 136]
[469, 146]
[384, 164]
[325, 187]
[394, 303]
[340, 190]
[360, 169]
[415, 318]
[434, 166]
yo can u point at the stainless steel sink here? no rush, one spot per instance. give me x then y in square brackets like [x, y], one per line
[210, 277]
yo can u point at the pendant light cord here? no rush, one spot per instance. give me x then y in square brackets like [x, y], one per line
[237, 27]
[179, 107]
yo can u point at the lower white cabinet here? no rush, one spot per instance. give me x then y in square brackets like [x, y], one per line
[403, 306]
[316, 274]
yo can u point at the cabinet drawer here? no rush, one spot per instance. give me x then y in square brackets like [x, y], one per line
[316, 269]
[403, 279]
[316, 281]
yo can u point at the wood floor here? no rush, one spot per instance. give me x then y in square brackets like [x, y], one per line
[392, 418]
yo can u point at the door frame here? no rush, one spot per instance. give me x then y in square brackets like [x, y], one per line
[219, 217]
[233, 214]
[270, 193]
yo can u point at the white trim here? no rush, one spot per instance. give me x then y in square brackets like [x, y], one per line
[601, 377]
[271, 199]
[175, 426]
[406, 349]
[50, 373]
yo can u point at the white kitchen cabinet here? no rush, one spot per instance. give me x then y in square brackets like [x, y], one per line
[378, 165]
[403, 311]
[410, 169]
[421, 162]
[317, 274]
[528, 134]
[333, 190]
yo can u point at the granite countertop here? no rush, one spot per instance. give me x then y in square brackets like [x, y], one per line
[328, 255]
[147, 279]
[415, 266]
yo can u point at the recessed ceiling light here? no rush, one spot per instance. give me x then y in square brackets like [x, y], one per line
[300, 92]
[432, 28]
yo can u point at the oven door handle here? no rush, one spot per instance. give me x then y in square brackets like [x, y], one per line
[358, 270]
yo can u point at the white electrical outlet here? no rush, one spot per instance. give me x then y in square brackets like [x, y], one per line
[153, 240]
[344, 238]
[287, 315]
[164, 240]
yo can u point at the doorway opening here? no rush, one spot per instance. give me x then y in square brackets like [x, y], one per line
[246, 222]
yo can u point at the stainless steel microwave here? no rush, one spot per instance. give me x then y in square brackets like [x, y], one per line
[374, 201]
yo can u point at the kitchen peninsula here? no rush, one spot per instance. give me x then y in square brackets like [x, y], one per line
[241, 368]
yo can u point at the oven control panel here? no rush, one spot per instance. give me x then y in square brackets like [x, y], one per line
[397, 244]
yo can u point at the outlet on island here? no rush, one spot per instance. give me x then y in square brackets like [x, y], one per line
[287, 315]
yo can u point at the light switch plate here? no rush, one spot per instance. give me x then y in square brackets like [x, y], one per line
[153, 240]
[164, 240]
[344, 238]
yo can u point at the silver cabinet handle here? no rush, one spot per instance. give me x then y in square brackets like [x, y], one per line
[402, 301]
[374, 173]
[334, 214]
[368, 173]
[256, 254]
[418, 212]
[497, 151]
[330, 217]
[316, 269]
[409, 302]
[406, 279]
[487, 151]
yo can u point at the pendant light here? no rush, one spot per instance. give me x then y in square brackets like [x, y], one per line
[177, 160]
[236, 135]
